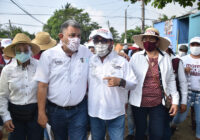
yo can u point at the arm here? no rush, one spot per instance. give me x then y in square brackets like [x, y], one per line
[41, 96]
[183, 87]
[4, 97]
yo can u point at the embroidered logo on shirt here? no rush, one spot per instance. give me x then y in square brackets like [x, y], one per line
[58, 62]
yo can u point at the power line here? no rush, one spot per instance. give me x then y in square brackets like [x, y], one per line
[26, 12]
[25, 24]
[21, 14]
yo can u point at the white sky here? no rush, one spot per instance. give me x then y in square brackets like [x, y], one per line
[100, 11]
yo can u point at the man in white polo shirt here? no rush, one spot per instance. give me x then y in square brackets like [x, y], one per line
[62, 74]
[110, 78]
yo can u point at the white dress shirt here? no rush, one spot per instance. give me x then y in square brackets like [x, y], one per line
[108, 102]
[17, 86]
[139, 65]
[66, 76]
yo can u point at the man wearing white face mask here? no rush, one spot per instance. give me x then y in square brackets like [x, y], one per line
[192, 68]
[110, 78]
[183, 49]
[62, 74]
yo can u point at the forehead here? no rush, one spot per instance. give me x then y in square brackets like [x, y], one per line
[21, 46]
[71, 29]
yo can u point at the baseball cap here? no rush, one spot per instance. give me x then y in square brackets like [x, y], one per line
[6, 42]
[103, 32]
[195, 39]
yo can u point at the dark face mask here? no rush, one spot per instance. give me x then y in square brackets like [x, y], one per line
[149, 46]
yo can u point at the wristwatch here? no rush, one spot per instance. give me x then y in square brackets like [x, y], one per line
[122, 83]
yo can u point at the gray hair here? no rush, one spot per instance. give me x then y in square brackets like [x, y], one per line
[68, 23]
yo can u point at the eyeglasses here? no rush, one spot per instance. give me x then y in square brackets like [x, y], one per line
[102, 40]
[149, 38]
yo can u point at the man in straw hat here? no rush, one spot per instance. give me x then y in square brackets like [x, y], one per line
[157, 81]
[44, 41]
[62, 74]
[18, 98]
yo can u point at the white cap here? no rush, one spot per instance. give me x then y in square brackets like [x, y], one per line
[92, 34]
[6, 42]
[103, 32]
[90, 44]
[195, 39]
[135, 45]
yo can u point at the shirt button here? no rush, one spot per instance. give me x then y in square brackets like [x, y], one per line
[26, 85]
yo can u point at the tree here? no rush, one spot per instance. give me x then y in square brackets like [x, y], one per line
[130, 33]
[162, 3]
[115, 34]
[69, 12]
[10, 33]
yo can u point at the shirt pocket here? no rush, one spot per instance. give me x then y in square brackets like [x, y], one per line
[115, 71]
[57, 65]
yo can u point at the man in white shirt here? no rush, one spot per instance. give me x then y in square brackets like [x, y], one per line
[191, 64]
[62, 74]
[110, 78]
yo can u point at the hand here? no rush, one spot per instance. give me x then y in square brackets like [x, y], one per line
[9, 126]
[124, 55]
[183, 108]
[173, 110]
[187, 70]
[42, 119]
[112, 81]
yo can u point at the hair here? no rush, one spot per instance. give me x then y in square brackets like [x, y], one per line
[68, 23]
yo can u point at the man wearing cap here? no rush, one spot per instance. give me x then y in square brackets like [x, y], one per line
[4, 59]
[62, 74]
[18, 91]
[110, 78]
[153, 68]
[192, 68]
[182, 51]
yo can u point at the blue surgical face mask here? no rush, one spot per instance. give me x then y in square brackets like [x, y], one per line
[23, 57]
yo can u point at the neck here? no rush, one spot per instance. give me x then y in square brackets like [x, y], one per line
[152, 54]
[6, 57]
[67, 51]
[102, 58]
[25, 64]
[195, 56]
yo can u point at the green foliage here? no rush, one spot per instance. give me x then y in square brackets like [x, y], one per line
[115, 34]
[162, 3]
[10, 33]
[68, 12]
[130, 33]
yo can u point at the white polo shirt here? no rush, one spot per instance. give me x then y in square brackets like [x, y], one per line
[66, 76]
[108, 102]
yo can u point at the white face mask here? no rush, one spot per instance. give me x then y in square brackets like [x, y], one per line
[73, 44]
[195, 50]
[101, 49]
[180, 53]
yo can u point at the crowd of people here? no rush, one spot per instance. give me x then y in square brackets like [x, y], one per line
[85, 91]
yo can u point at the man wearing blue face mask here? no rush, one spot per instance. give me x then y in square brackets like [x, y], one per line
[110, 78]
[62, 74]
[18, 91]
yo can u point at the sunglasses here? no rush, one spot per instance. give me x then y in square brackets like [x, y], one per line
[102, 41]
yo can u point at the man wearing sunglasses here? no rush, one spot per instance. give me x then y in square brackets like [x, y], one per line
[110, 78]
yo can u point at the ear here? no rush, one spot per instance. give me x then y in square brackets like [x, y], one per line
[60, 35]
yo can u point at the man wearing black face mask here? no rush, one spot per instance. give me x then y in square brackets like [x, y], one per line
[157, 81]
[110, 78]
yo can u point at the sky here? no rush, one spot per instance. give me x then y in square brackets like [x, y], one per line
[100, 11]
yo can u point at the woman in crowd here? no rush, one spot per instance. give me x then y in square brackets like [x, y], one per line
[153, 68]
[18, 101]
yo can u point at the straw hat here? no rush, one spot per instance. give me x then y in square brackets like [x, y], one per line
[21, 38]
[44, 40]
[164, 43]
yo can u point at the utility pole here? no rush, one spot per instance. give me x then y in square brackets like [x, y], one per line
[108, 24]
[125, 37]
[143, 16]
[10, 26]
